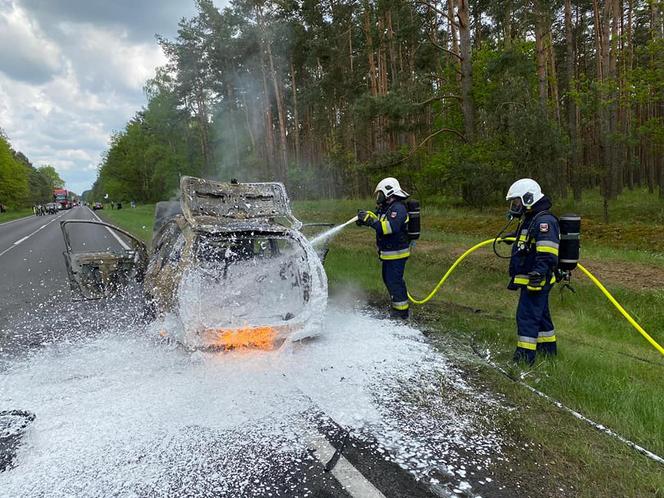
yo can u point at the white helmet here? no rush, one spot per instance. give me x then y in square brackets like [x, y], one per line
[389, 186]
[526, 189]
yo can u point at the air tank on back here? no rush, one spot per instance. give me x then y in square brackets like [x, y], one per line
[570, 243]
[413, 219]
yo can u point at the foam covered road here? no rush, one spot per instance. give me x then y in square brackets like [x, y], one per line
[34, 278]
[120, 413]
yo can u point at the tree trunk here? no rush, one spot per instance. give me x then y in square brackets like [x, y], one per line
[392, 49]
[454, 38]
[574, 166]
[350, 49]
[614, 169]
[598, 41]
[553, 77]
[266, 44]
[232, 112]
[628, 107]
[204, 132]
[466, 70]
[602, 31]
[247, 118]
[453, 29]
[373, 76]
[540, 55]
[296, 118]
[283, 144]
[268, 121]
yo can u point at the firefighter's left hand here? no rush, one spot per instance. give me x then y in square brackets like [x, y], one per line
[535, 280]
[365, 217]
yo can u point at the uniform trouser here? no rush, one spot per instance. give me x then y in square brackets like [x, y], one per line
[393, 278]
[534, 326]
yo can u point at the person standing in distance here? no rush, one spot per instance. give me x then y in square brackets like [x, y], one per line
[532, 268]
[390, 222]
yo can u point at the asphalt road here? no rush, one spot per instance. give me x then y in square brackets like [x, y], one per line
[37, 311]
[33, 269]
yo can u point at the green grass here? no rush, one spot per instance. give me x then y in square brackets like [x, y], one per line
[137, 221]
[605, 369]
[15, 214]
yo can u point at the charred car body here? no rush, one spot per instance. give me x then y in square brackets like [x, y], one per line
[228, 267]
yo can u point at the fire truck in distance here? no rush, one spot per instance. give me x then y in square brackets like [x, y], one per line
[64, 198]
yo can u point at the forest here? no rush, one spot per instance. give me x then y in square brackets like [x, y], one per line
[455, 98]
[21, 184]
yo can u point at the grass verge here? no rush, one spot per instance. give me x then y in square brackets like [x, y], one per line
[15, 214]
[137, 221]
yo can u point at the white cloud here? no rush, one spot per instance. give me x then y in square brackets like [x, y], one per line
[60, 123]
[107, 58]
[27, 54]
[72, 73]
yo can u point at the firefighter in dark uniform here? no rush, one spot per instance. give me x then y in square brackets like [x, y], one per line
[532, 268]
[390, 222]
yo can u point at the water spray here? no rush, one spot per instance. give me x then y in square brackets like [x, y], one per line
[331, 232]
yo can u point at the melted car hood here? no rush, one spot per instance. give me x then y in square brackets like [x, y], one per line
[233, 206]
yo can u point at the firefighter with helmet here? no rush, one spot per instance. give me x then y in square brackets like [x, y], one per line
[390, 221]
[532, 268]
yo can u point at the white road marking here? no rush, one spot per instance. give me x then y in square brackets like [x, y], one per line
[122, 242]
[25, 238]
[354, 483]
[31, 234]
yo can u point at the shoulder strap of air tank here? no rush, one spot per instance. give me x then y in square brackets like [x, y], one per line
[403, 204]
[532, 222]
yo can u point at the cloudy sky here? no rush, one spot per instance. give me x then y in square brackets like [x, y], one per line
[72, 73]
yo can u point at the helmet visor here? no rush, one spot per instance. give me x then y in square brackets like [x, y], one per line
[380, 197]
[516, 207]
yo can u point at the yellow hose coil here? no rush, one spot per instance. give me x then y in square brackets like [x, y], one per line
[592, 278]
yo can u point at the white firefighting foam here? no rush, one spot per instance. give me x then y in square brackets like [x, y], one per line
[121, 414]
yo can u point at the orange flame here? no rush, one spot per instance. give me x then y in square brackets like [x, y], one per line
[241, 338]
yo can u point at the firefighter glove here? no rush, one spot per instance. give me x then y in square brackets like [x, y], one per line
[365, 218]
[535, 281]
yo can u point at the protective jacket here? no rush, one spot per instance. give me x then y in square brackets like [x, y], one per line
[391, 226]
[535, 251]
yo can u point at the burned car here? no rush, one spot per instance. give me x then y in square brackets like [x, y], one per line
[228, 267]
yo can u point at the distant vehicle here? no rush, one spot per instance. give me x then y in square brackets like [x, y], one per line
[97, 205]
[228, 267]
[64, 198]
[52, 207]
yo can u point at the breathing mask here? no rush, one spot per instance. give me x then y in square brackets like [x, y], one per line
[516, 209]
[518, 205]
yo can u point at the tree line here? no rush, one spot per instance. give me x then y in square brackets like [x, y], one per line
[455, 97]
[21, 184]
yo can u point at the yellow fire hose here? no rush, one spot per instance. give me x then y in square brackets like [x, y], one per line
[592, 278]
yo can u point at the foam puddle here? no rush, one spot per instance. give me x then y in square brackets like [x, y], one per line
[120, 414]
